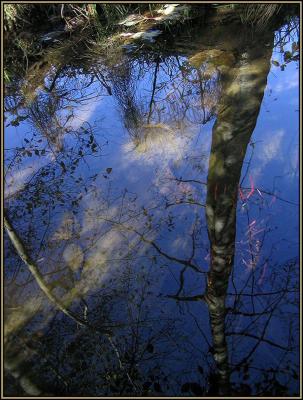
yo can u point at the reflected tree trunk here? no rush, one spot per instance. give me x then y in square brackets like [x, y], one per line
[243, 88]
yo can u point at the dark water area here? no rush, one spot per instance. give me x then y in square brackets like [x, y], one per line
[155, 187]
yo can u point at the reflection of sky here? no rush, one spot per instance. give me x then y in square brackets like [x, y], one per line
[184, 154]
[275, 168]
[275, 165]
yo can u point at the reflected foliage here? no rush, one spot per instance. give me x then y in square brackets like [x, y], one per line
[126, 183]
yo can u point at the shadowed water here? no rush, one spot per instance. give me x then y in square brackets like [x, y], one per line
[154, 188]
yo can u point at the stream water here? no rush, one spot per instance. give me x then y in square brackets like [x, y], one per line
[130, 177]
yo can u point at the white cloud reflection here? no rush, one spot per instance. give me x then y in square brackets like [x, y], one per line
[267, 151]
[290, 82]
[159, 144]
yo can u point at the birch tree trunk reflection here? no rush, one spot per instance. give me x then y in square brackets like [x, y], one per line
[242, 92]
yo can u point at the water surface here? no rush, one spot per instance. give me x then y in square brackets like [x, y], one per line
[139, 182]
